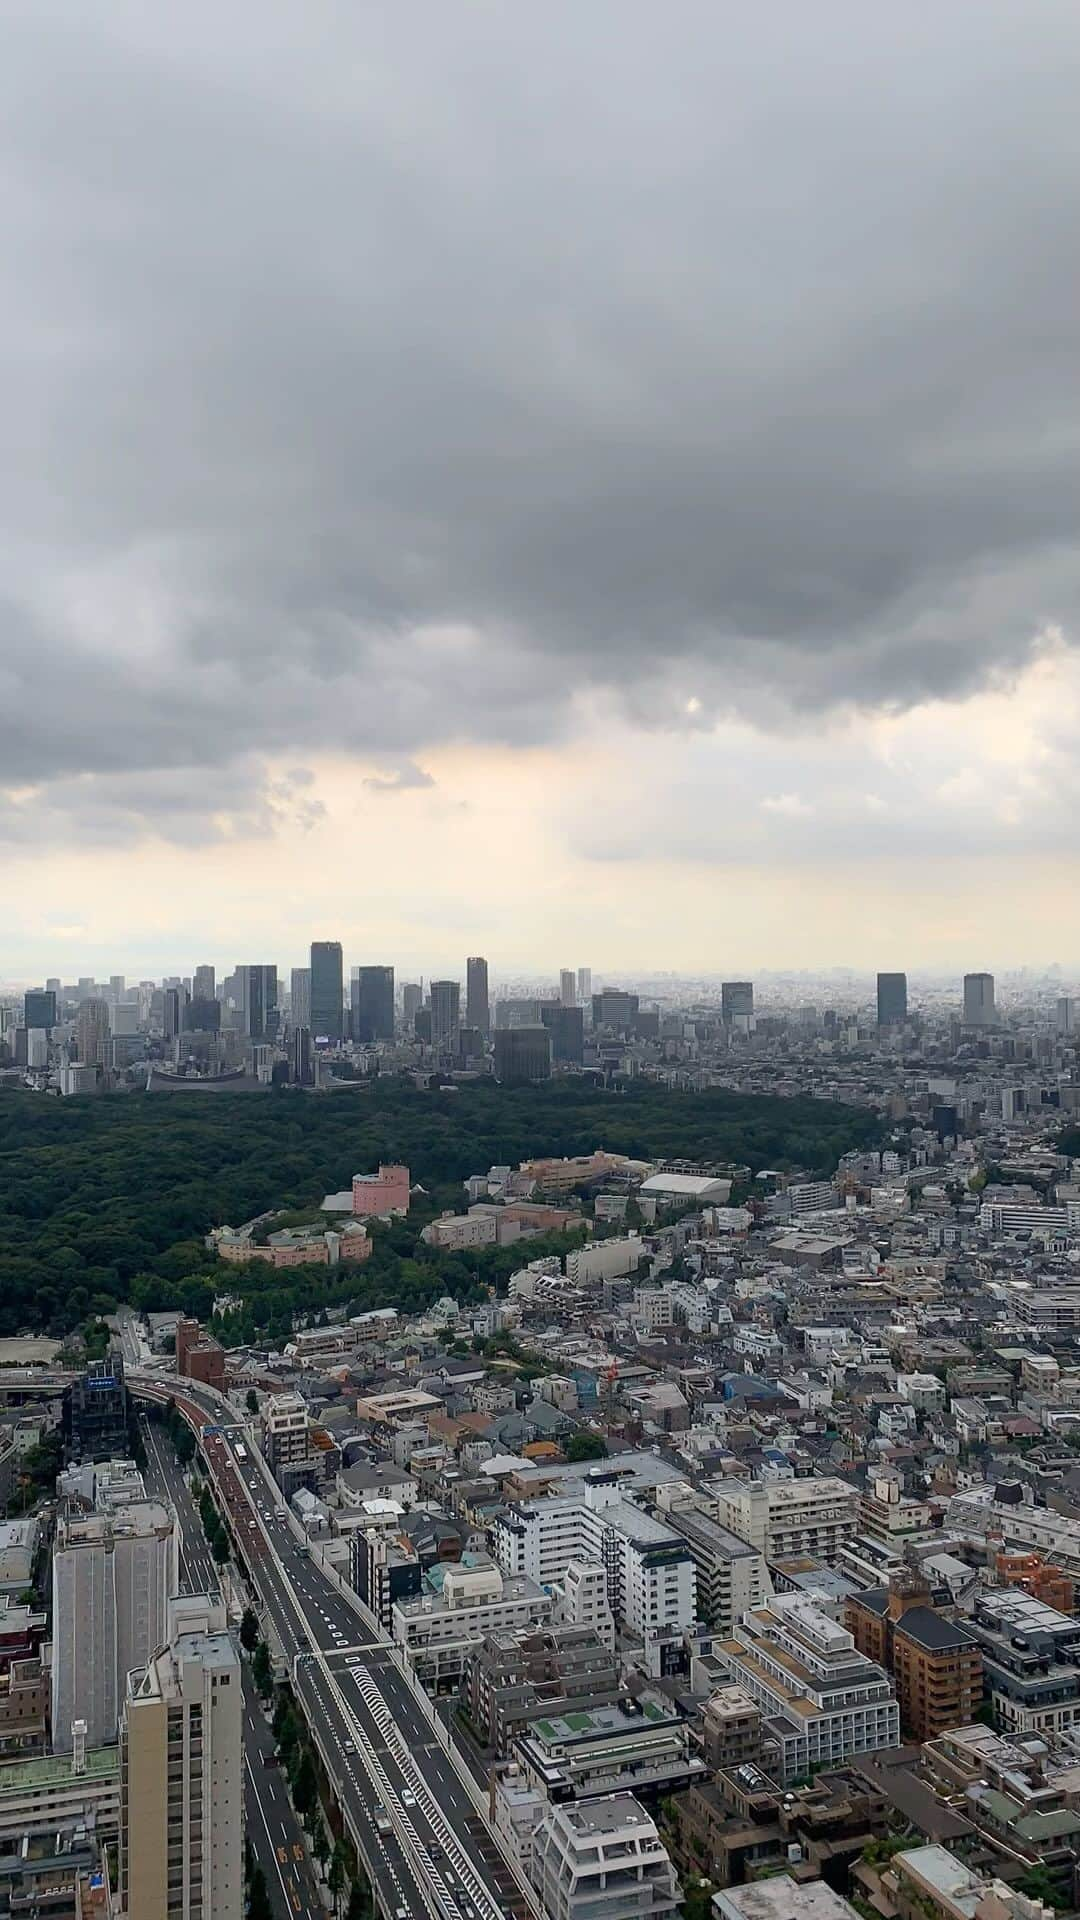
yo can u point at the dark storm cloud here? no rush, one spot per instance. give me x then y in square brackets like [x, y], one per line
[378, 376]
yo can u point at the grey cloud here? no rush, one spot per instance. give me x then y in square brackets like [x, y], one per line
[674, 353]
[403, 779]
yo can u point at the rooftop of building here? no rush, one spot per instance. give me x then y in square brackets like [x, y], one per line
[621, 1716]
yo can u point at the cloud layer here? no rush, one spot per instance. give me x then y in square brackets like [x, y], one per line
[388, 383]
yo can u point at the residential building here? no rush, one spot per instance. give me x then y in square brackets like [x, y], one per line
[789, 1517]
[935, 1662]
[731, 1730]
[513, 1677]
[637, 1744]
[440, 1627]
[731, 1574]
[285, 1430]
[820, 1697]
[1031, 1661]
[652, 1587]
[112, 1578]
[181, 1773]
[603, 1860]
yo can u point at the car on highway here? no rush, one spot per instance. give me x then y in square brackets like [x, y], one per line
[408, 1798]
[381, 1818]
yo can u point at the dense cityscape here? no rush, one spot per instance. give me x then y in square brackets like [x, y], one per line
[624, 1461]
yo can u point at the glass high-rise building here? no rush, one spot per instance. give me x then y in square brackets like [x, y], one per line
[372, 994]
[445, 1015]
[260, 1002]
[477, 1002]
[736, 1000]
[891, 999]
[979, 1010]
[39, 1008]
[327, 991]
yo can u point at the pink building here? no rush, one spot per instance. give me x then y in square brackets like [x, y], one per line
[384, 1192]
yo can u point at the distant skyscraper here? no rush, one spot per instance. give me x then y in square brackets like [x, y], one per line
[412, 999]
[117, 983]
[584, 986]
[260, 1001]
[1067, 1017]
[979, 1000]
[522, 1054]
[566, 1026]
[300, 997]
[204, 984]
[372, 1004]
[891, 999]
[445, 1015]
[327, 991]
[736, 1000]
[175, 1011]
[302, 1071]
[614, 1008]
[39, 1008]
[92, 1033]
[567, 987]
[182, 1772]
[477, 1003]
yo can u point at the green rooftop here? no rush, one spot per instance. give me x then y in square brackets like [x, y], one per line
[51, 1770]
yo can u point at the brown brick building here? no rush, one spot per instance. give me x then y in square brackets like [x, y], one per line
[935, 1662]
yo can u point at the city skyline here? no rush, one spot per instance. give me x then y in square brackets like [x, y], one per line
[681, 539]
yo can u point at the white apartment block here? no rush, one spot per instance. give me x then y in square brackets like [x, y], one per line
[603, 1860]
[181, 1774]
[112, 1578]
[604, 1260]
[784, 1517]
[732, 1576]
[651, 1578]
[821, 1699]
[1035, 1529]
[438, 1631]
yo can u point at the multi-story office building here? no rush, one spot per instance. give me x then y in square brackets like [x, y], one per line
[259, 1001]
[821, 1698]
[477, 1003]
[174, 1012]
[813, 1516]
[300, 997]
[92, 1033]
[567, 987]
[181, 1774]
[736, 1000]
[95, 1412]
[327, 992]
[285, 1430]
[39, 1008]
[412, 999]
[652, 1585]
[372, 995]
[603, 1860]
[891, 999]
[522, 1054]
[445, 1015]
[615, 1009]
[979, 1000]
[113, 1575]
[584, 987]
[204, 983]
[566, 1026]
[302, 1065]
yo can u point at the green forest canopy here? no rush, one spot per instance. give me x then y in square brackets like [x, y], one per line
[105, 1200]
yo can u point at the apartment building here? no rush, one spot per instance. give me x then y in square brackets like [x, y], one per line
[439, 1629]
[1031, 1661]
[731, 1575]
[822, 1700]
[786, 1517]
[512, 1678]
[181, 1774]
[112, 1576]
[638, 1745]
[935, 1662]
[603, 1860]
[652, 1582]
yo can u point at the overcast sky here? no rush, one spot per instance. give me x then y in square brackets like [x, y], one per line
[592, 482]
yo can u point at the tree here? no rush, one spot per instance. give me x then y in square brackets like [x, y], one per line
[261, 1670]
[249, 1631]
[359, 1907]
[219, 1547]
[586, 1446]
[338, 1877]
[305, 1790]
[251, 1400]
[320, 1845]
[258, 1904]
[184, 1443]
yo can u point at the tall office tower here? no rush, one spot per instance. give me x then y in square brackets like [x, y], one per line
[477, 1002]
[258, 988]
[112, 1577]
[39, 1008]
[566, 1026]
[117, 984]
[203, 1016]
[584, 986]
[302, 1070]
[327, 991]
[736, 1000]
[522, 1054]
[87, 986]
[979, 1000]
[891, 999]
[445, 1015]
[52, 985]
[372, 993]
[175, 1012]
[1067, 1014]
[300, 997]
[614, 1008]
[412, 999]
[181, 1773]
[568, 987]
[92, 1033]
[204, 984]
